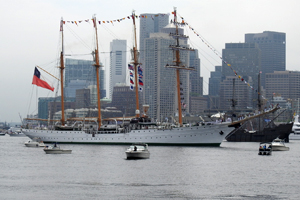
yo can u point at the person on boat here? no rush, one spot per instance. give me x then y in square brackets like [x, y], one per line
[265, 146]
[135, 148]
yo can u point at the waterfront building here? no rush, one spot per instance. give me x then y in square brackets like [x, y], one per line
[240, 93]
[118, 63]
[82, 98]
[214, 81]
[283, 83]
[196, 81]
[273, 51]
[245, 59]
[78, 72]
[160, 82]
[150, 23]
[123, 99]
[74, 85]
[197, 105]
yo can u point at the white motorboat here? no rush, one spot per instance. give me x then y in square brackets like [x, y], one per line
[265, 149]
[296, 129]
[35, 143]
[15, 132]
[2, 133]
[55, 149]
[137, 151]
[278, 145]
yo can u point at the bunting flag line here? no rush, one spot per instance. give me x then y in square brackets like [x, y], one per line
[140, 72]
[116, 20]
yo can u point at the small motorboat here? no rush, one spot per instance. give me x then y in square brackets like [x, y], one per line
[137, 151]
[55, 149]
[279, 145]
[265, 148]
[35, 143]
[2, 133]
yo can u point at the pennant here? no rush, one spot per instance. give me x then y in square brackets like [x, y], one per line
[140, 68]
[131, 87]
[130, 67]
[140, 89]
[39, 82]
[141, 82]
[131, 81]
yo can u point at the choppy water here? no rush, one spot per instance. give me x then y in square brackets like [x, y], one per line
[232, 171]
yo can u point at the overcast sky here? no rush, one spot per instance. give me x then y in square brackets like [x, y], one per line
[30, 36]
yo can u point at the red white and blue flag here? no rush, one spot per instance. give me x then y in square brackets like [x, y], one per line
[131, 81]
[39, 82]
[130, 67]
[141, 82]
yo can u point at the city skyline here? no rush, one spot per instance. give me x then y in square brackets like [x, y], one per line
[31, 36]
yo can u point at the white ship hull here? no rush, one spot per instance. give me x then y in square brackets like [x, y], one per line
[206, 135]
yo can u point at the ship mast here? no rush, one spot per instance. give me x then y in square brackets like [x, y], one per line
[62, 67]
[97, 66]
[177, 63]
[135, 63]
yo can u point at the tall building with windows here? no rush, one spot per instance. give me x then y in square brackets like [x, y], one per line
[214, 81]
[283, 83]
[50, 105]
[273, 51]
[118, 63]
[196, 81]
[79, 74]
[160, 82]
[245, 59]
[237, 90]
[150, 23]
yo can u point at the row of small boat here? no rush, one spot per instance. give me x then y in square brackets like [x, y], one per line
[276, 145]
[135, 151]
[48, 149]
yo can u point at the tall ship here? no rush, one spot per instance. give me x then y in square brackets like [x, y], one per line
[136, 129]
[259, 127]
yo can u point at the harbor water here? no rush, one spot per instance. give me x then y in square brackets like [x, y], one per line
[232, 171]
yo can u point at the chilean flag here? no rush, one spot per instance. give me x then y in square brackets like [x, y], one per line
[39, 82]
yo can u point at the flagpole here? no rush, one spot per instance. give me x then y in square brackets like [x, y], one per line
[97, 66]
[62, 67]
[137, 112]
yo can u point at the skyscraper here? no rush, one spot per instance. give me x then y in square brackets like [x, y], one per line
[237, 90]
[83, 72]
[118, 64]
[159, 81]
[214, 81]
[245, 59]
[273, 51]
[150, 23]
[284, 83]
[196, 82]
